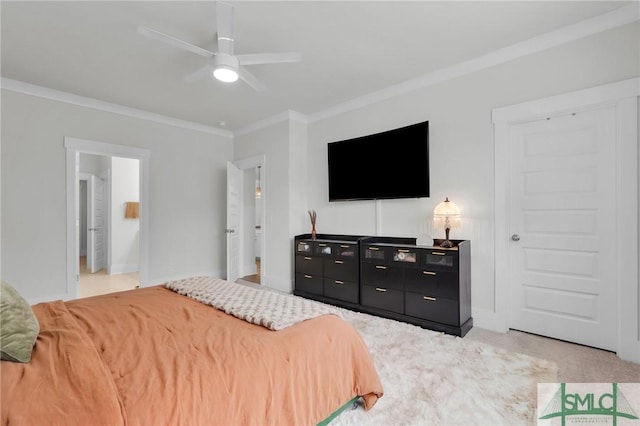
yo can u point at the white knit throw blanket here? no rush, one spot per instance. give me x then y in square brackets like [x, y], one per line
[269, 309]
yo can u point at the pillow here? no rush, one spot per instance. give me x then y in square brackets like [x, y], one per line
[19, 326]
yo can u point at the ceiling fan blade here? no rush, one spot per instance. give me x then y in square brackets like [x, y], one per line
[166, 38]
[268, 58]
[224, 20]
[206, 71]
[249, 78]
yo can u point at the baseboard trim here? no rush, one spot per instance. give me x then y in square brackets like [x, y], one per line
[123, 268]
[51, 298]
[489, 320]
[163, 280]
[281, 284]
[629, 351]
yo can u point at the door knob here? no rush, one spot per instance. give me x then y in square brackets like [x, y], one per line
[515, 237]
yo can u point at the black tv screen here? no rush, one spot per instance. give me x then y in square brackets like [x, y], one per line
[391, 164]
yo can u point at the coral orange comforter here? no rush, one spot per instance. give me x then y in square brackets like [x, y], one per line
[153, 357]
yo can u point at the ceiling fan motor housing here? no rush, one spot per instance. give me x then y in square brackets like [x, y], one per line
[225, 67]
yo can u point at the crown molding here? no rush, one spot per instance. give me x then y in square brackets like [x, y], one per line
[288, 115]
[616, 18]
[70, 98]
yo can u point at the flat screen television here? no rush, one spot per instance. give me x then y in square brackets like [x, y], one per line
[386, 165]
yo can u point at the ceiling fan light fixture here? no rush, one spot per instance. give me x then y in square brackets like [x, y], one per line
[225, 68]
[225, 74]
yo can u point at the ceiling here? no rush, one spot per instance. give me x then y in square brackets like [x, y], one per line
[349, 49]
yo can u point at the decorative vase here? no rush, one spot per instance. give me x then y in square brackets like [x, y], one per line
[313, 216]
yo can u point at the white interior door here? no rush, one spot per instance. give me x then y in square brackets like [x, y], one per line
[233, 230]
[95, 221]
[562, 249]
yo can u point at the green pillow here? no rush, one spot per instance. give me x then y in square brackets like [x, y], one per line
[19, 326]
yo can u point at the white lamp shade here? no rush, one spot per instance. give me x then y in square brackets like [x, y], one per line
[447, 215]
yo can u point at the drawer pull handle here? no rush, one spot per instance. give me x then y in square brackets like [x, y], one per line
[339, 262]
[433, 299]
[344, 246]
[307, 258]
[403, 250]
[339, 282]
[428, 273]
[322, 245]
[380, 267]
[373, 248]
[438, 254]
[307, 276]
[381, 289]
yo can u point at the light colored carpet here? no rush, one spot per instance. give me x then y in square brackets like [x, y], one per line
[438, 379]
[576, 363]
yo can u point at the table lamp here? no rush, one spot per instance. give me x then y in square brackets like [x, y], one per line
[447, 215]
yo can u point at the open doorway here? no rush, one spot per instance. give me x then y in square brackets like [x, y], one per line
[249, 252]
[124, 244]
[109, 196]
[252, 224]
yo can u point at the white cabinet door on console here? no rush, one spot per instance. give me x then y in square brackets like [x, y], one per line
[563, 236]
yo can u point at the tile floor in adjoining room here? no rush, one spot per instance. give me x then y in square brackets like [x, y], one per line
[101, 283]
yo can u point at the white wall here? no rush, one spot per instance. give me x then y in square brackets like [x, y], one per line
[187, 192]
[125, 187]
[94, 164]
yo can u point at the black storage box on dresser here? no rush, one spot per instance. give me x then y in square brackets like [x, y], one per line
[429, 286]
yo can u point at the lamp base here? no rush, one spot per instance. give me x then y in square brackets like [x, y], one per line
[446, 244]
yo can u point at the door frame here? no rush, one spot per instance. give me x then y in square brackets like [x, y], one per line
[251, 163]
[75, 146]
[623, 95]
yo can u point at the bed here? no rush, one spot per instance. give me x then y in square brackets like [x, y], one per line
[152, 356]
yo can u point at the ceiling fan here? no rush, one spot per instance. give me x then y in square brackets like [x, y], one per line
[225, 65]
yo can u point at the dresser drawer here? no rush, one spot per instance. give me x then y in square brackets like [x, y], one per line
[436, 309]
[324, 249]
[382, 276]
[383, 298]
[439, 259]
[304, 247]
[346, 251]
[309, 283]
[342, 290]
[374, 254]
[345, 270]
[403, 256]
[309, 265]
[434, 282]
